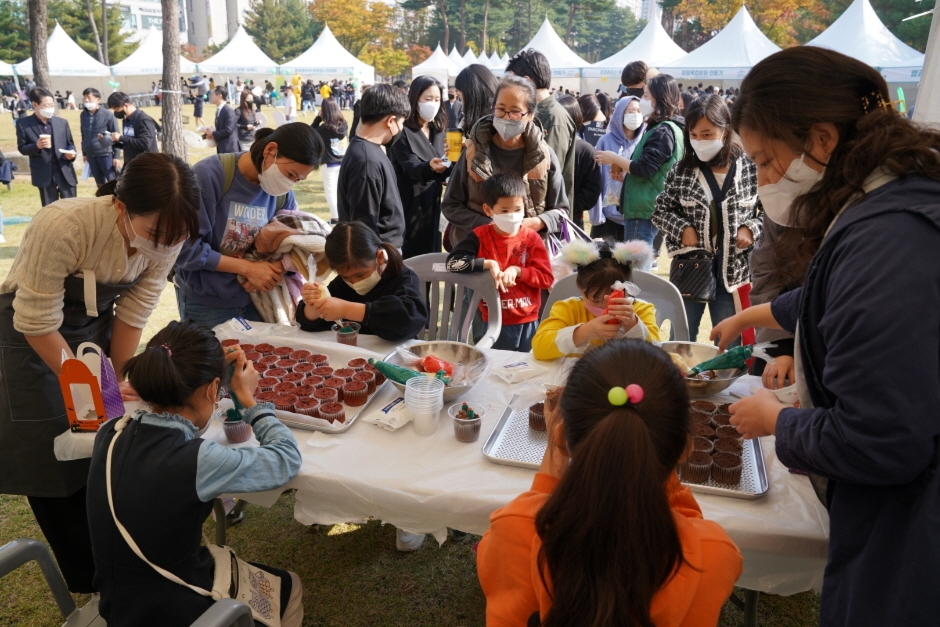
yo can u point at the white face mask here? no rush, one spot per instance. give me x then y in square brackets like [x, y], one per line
[509, 222]
[145, 247]
[508, 129]
[777, 198]
[365, 286]
[47, 112]
[632, 121]
[707, 149]
[428, 110]
[91, 106]
[273, 181]
[646, 107]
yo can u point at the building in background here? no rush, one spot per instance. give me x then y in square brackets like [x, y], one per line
[140, 15]
[213, 22]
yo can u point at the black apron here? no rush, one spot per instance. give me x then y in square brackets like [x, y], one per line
[32, 410]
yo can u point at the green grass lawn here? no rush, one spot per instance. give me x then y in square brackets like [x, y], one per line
[352, 574]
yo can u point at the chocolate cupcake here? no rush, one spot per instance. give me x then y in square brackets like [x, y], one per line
[227, 343]
[277, 373]
[287, 364]
[359, 364]
[267, 396]
[537, 417]
[696, 468]
[300, 355]
[305, 390]
[344, 373]
[283, 351]
[305, 368]
[368, 378]
[265, 349]
[323, 371]
[721, 420]
[724, 408]
[728, 445]
[726, 468]
[325, 395]
[727, 432]
[315, 381]
[318, 359]
[285, 402]
[294, 377]
[379, 377]
[236, 431]
[703, 444]
[246, 347]
[267, 383]
[333, 412]
[706, 407]
[253, 356]
[702, 431]
[698, 417]
[285, 387]
[307, 407]
[337, 384]
[356, 393]
[267, 361]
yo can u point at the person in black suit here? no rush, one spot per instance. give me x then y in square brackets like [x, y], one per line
[453, 108]
[420, 169]
[226, 124]
[42, 137]
[140, 131]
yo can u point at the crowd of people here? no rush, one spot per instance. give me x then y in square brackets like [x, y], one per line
[795, 200]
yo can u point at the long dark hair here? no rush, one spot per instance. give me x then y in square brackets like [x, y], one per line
[590, 107]
[664, 90]
[854, 97]
[246, 107]
[713, 109]
[332, 116]
[609, 541]
[295, 141]
[178, 360]
[176, 200]
[607, 105]
[477, 87]
[353, 244]
[571, 105]
[418, 87]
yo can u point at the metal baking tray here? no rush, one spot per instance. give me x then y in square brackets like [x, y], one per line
[513, 443]
[753, 483]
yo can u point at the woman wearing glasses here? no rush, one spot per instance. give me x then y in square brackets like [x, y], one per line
[510, 139]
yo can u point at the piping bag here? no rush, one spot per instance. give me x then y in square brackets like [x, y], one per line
[735, 358]
[620, 290]
[233, 415]
[324, 291]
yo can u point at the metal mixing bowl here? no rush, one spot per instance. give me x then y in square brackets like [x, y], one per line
[452, 352]
[695, 353]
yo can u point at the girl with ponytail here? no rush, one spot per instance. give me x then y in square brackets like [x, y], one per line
[607, 535]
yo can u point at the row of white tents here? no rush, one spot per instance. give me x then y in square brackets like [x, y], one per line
[728, 56]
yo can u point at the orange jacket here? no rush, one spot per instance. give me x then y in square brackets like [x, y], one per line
[507, 563]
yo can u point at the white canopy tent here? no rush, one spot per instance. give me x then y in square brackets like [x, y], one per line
[729, 55]
[927, 110]
[148, 58]
[653, 45]
[495, 62]
[455, 57]
[327, 58]
[859, 34]
[505, 58]
[240, 57]
[563, 61]
[437, 65]
[66, 58]
[469, 58]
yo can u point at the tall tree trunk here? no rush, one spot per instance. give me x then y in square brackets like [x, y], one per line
[571, 10]
[38, 34]
[528, 26]
[462, 39]
[104, 32]
[443, 9]
[94, 29]
[171, 102]
[486, 17]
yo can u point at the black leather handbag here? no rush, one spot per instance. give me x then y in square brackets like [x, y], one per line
[694, 276]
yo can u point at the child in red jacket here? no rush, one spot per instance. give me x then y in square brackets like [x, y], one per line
[514, 255]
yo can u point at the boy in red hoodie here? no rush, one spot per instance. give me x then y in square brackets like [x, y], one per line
[514, 255]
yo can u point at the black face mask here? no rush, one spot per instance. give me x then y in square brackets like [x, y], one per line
[451, 97]
[635, 91]
[119, 115]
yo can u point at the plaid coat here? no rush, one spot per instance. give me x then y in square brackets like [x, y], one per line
[683, 203]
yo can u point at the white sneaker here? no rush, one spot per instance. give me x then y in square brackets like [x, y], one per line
[408, 542]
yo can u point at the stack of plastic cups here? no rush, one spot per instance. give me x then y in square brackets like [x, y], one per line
[424, 398]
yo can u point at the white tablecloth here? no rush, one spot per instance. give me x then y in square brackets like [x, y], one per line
[426, 484]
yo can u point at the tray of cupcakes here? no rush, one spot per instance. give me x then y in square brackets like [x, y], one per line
[310, 389]
[520, 437]
[722, 461]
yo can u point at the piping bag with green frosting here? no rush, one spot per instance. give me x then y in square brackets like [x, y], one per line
[401, 375]
[735, 358]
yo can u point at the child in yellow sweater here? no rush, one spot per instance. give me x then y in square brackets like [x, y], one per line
[575, 324]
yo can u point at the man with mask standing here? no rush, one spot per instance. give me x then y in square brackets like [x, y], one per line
[47, 141]
[368, 189]
[139, 132]
[453, 108]
[633, 79]
[95, 120]
[226, 124]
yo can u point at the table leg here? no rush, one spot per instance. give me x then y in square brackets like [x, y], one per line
[220, 522]
[751, 597]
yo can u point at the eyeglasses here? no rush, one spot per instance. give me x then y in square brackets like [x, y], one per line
[511, 115]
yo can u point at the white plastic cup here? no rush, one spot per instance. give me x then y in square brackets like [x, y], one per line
[424, 398]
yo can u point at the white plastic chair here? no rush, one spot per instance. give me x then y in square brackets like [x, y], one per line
[657, 290]
[451, 322]
[262, 119]
[279, 118]
[224, 613]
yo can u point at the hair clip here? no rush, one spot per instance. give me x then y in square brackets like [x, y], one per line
[618, 396]
[166, 347]
[579, 253]
[635, 253]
